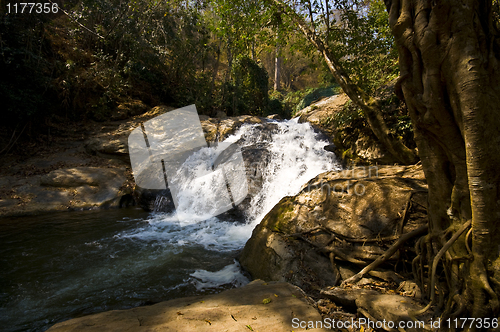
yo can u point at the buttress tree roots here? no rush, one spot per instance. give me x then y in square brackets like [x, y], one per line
[448, 55]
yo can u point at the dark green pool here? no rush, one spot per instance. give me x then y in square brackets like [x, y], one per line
[64, 265]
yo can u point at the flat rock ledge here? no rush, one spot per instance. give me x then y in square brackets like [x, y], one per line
[77, 188]
[258, 306]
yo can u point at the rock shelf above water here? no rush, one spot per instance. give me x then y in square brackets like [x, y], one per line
[258, 306]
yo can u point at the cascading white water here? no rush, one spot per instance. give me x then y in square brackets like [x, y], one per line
[296, 156]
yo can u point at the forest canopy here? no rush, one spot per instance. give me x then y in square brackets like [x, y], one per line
[229, 56]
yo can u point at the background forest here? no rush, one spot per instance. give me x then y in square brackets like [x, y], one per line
[233, 57]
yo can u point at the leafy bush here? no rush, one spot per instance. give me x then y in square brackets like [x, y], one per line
[251, 83]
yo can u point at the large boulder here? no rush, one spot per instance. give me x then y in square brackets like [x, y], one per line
[318, 112]
[111, 146]
[82, 187]
[358, 212]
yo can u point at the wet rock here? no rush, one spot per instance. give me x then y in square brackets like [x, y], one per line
[126, 201]
[331, 148]
[154, 200]
[256, 159]
[258, 306]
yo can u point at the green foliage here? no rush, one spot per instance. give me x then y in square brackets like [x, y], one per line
[362, 39]
[251, 87]
[294, 101]
[347, 117]
[151, 51]
[314, 94]
[178, 53]
[266, 301]
[495, 10]
[394, 113]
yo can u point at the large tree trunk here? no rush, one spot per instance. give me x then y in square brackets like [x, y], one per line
[369, 105]
[448, 55]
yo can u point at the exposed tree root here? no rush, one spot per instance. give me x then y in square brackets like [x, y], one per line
[461, 306]
[435, 263]
[335, 269]
[386, 255]
[333, 252]
[342, 255]
[341, 236]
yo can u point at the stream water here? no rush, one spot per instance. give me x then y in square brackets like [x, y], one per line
[60, 266]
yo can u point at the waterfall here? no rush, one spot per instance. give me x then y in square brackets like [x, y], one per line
[295, 154]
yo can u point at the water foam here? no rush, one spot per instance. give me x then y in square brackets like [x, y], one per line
[230, 274]
[296, 156]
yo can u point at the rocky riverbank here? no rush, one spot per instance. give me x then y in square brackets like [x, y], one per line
[258, 306]
[318, 240]
[86, 166]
